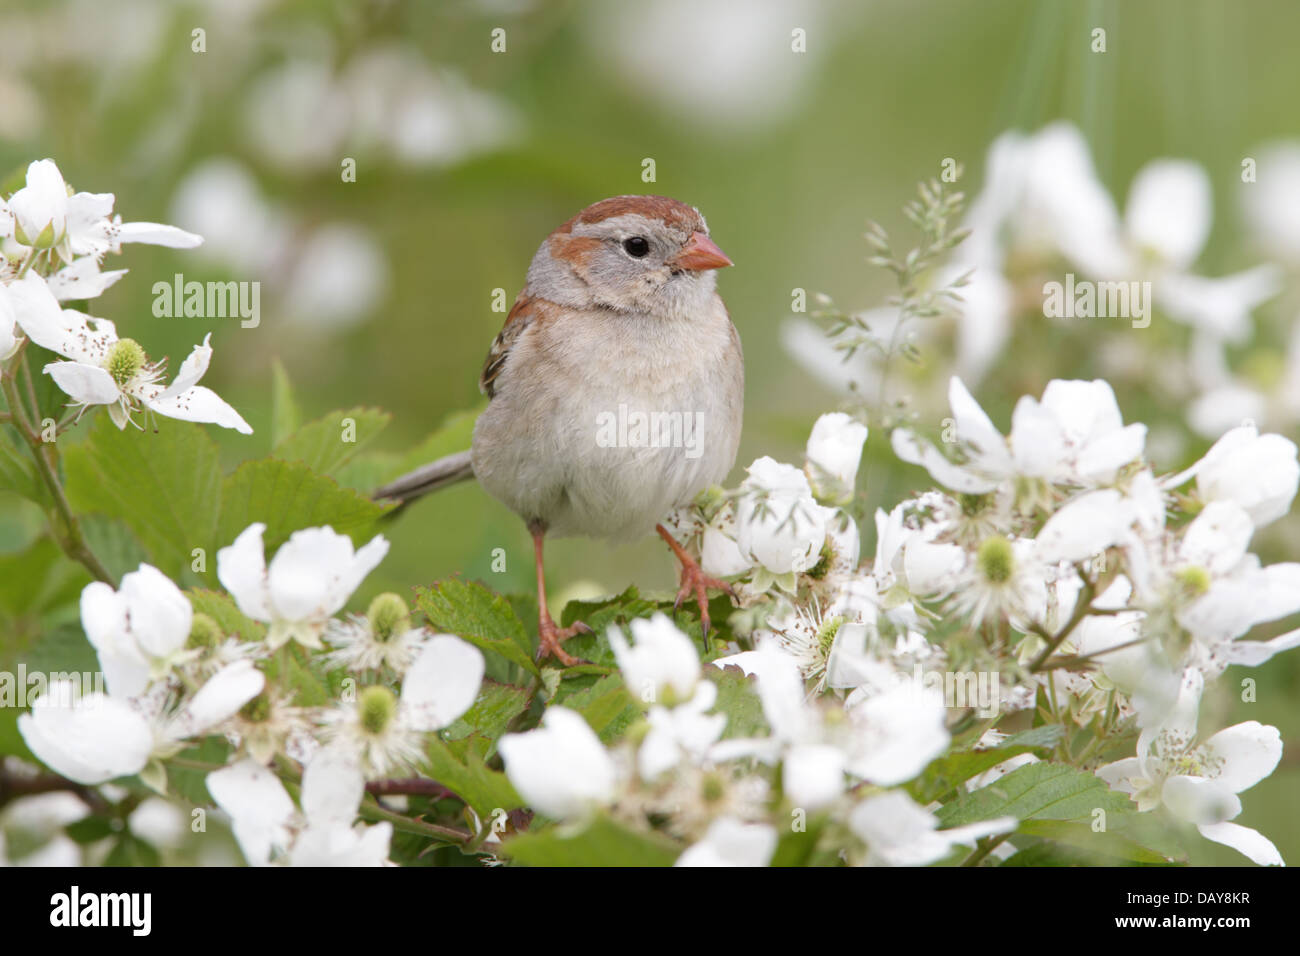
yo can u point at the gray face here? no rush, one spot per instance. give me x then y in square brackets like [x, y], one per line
[633, 262]
[625, 263]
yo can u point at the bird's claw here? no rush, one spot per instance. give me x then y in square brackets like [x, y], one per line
[550, 636]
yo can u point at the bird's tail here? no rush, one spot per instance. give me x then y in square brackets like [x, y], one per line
[437, 474]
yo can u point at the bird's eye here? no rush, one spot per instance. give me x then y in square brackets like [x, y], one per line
[637, 247]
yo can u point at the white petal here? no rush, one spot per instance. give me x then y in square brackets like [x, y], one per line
[1169, 210]
[90, 740]
[104, 617]
[85, 384]
[913, 451]
[241, 569]
[332, 787]
[199, 404]
[316, 570]
[561, 769]
[1246, 753]
[1084, 527]
[1250, 843]
[161, 614]
[975, 428]
[1218, 537]
[217, 700]
[1199, 800]
[82, 280]
[813, 776]
[258, 804]
[1104, 456]
[442, 683]
[1037, 442]
[156, 234]
[729, 842]
[191, 370]
[1254, 653]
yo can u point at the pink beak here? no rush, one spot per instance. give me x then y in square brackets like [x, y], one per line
[700, 253]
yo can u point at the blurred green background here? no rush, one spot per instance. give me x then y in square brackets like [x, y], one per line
[787, 154]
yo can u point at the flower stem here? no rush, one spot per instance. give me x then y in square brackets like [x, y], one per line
[67, 530]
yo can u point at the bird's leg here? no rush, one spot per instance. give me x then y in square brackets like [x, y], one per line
[694, 580]
[549, 634]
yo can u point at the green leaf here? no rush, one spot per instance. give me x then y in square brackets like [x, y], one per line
[164, 485]
[89, 829]
[497, 705]
[471, 611]
[285, 414]
[466, 775]
[605, 704]
[113, 543]
[287, 496]
[222, 608]
[1037, 791]
[739, 700]
[1108, 846]
[603, 842]
[599, 615]
[947, 773]
[326, 443]
[797, 847]
[130, 850]
[377, 468]
[191, 785]
[18, 471]
[38, 580]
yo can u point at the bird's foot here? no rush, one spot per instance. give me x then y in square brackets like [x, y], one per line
[696, 583]
[550, 636]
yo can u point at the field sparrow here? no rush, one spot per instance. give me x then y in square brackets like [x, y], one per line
[615, 387]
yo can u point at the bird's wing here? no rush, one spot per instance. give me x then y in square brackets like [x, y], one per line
[524, 311]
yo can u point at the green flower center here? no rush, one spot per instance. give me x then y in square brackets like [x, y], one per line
[125, 360]
[258, 709]
[827, 631]
[389, 617]
[1194, 580]
[713, 788]
[377, 707]
[204, 632]
[996, 560]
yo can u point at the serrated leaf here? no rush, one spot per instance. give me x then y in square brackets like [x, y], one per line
[466, 775]
[599, 615]
[288, 496]
[1036, 791]
[497, 705]
[739, 700]
[945, 774]
[471, 611]
[328, 442]
[222, 608]
[164, 485]
[605, 704]
[603, 842]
